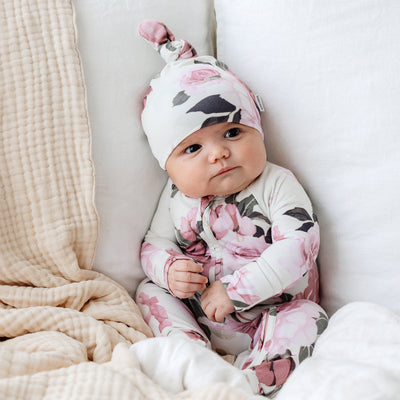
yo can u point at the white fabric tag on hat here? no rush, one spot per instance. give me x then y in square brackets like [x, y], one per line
[260, 103]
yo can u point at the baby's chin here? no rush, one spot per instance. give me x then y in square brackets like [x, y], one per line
[222, 193]
[197, 193]
[225, 185]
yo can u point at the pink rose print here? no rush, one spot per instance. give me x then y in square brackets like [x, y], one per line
[158, 34]
[307, 246]
[310, 246]
[155, 32]
[174, 253]
[197, 76]
[302, 253]
[152, 256]
[258, 337]
[205, 201]
[311, 292]
[231, 325]
[188, 228]
[155, 310]
[276, 234]
[237, 233]
[309, 252]
[193, 81]
[227, 218]
[274, 373]
[250, 115]
[187, 51]
[200, 253]
[239, 289]
[148, 255]
[194, 335]
[199, 81]
[241, 250]
[295, 326]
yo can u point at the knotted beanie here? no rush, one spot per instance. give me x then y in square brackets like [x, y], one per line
[191, 92]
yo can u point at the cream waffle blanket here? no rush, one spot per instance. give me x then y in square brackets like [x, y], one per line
[65, 330]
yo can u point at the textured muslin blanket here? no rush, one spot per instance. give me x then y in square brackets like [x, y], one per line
[65, 330]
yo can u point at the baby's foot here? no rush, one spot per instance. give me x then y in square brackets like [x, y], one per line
[272, 374]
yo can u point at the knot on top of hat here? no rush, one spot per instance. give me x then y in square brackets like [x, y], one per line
[163, 40]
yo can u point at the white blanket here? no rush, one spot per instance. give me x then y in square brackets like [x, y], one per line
[356, 358]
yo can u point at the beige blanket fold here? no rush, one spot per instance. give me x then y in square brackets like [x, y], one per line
[65, 330]
[48, 221]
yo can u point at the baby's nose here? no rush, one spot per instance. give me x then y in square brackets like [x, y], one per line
[218, 152]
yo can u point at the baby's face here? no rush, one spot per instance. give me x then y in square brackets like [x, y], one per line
[220, 159]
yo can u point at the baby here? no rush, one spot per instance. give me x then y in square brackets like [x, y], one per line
[231, 252]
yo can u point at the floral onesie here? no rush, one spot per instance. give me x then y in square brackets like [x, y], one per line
[262, 244]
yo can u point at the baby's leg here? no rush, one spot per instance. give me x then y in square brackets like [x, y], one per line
[171, 360]
[167, 315]
[285, 337]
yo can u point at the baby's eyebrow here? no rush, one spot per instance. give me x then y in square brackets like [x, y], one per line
[188, 141]
[184, 144]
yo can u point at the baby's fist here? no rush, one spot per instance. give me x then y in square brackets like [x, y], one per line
[216, 303]
[185, 279]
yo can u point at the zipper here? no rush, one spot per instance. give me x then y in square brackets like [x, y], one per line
[209, 238]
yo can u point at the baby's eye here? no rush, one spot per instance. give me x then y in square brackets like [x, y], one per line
[192, 148]
[233, 132]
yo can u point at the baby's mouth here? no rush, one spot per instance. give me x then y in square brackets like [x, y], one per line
[224, 171]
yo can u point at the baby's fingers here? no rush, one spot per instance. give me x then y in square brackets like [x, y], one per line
[190, 277]
[184, 290]
[185, 279]
[189, 266]
[219, 315]
[210, 311]
[190, 288]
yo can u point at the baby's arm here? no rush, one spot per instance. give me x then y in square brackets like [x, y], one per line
[284, 266]
[162, 259]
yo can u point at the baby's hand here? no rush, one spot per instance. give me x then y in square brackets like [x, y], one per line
[184, 278]
[216, 303]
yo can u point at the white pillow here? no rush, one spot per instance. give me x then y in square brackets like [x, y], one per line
[328, 73]
[118, 65]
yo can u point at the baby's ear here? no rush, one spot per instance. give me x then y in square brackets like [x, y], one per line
[163, 40]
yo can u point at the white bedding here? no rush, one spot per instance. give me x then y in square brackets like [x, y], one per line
[328, 74]
[356, 358]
